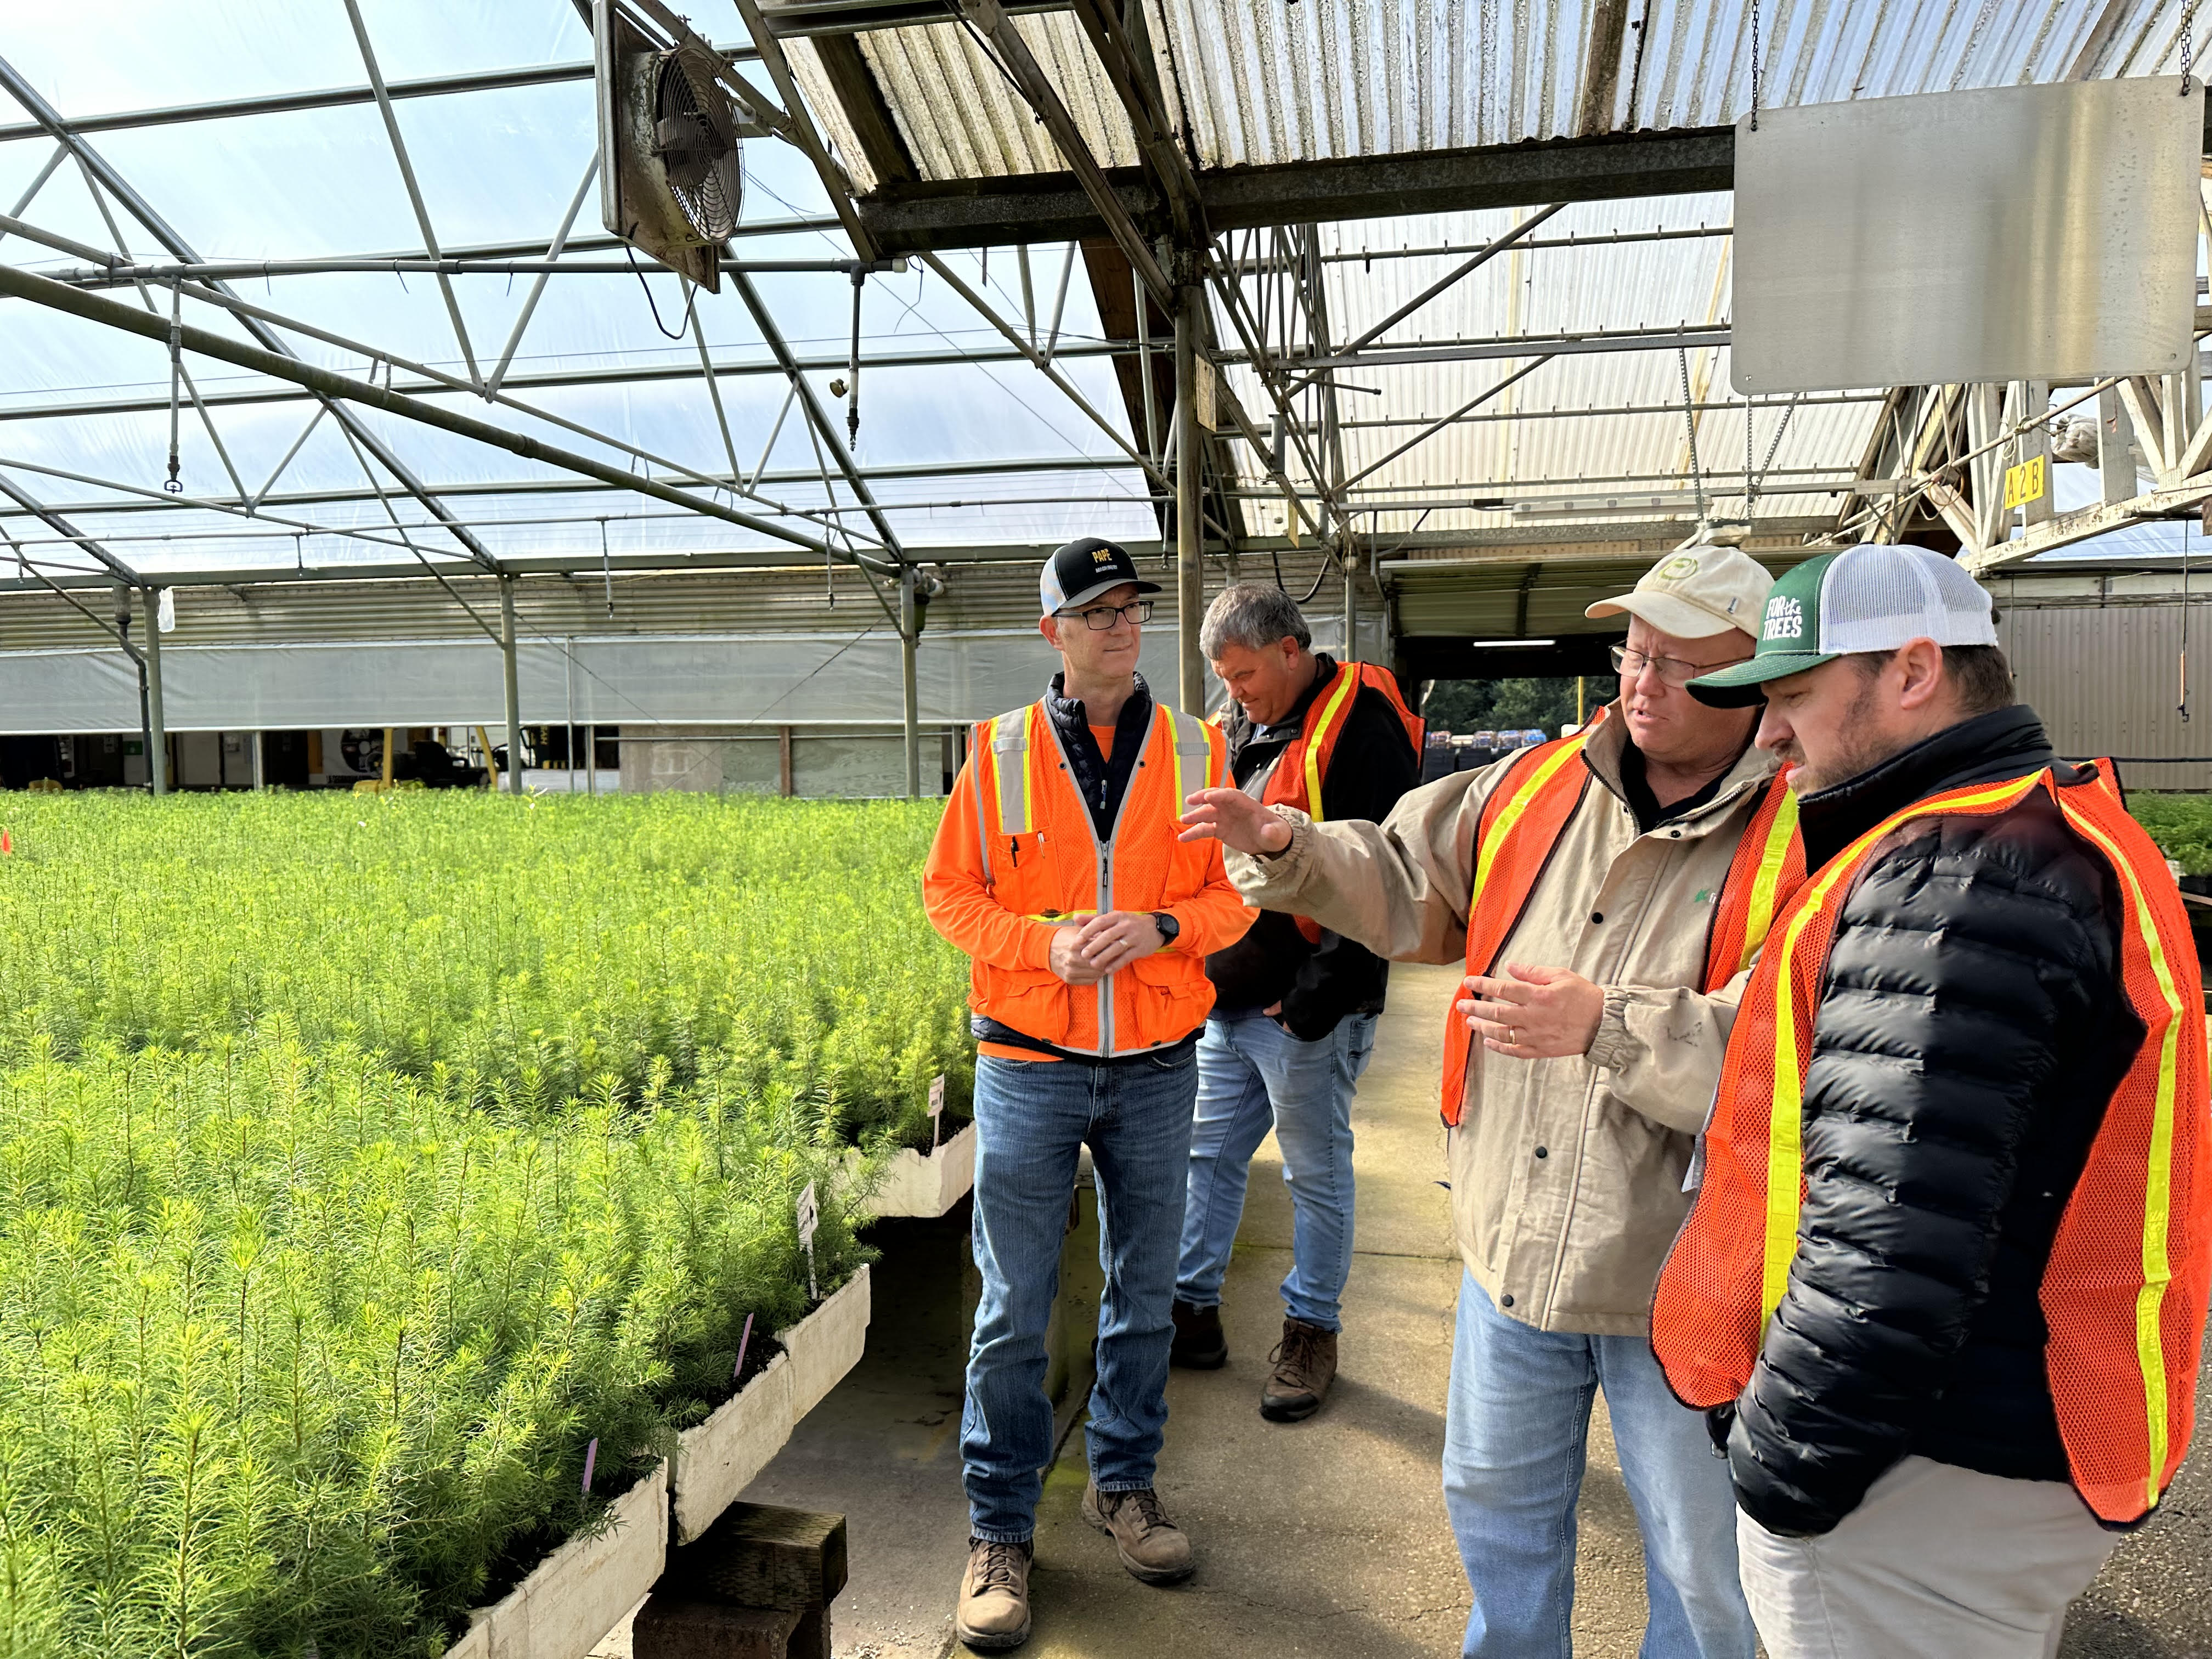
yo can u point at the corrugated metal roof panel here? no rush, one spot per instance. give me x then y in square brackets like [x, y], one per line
[1254, 84]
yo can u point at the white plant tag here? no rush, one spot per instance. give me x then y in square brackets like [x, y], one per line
[936, 1110]
[810, 1217]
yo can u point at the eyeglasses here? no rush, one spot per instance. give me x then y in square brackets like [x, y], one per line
[1671, 670]
[1100, 618]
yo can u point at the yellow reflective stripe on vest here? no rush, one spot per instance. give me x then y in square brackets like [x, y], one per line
[1186, 733]
[1347, 679]
[1524, 792]
[2158, 1186]
[1758, 917]
[1009, 751]
[1785, 1131]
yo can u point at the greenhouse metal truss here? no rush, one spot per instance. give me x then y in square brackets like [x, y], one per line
[1260, 248]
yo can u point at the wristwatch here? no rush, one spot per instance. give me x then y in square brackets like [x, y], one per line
[1170, 929]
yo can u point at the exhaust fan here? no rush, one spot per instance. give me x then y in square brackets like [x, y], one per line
[670, 180]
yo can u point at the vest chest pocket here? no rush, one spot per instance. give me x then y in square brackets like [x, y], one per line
[1022, 873]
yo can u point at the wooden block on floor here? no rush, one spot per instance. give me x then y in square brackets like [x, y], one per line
[811, 1639]
[760, 1556]
[676, 1627]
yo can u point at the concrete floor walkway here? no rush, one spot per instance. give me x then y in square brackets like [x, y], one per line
[1322, 1538]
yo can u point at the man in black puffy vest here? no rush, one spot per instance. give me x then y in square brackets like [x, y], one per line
[1902, 1482]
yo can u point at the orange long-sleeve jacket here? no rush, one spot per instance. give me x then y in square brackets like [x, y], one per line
[1015, 855]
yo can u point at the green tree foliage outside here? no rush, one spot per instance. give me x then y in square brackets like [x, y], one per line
[2180, 824]
[1464, 707]
[366, 1159]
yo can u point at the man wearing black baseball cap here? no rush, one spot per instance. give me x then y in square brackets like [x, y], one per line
[1058, 869]
[1087, 568]
[1969, 1336]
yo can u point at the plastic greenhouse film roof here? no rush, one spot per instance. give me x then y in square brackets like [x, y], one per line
[1565, 364]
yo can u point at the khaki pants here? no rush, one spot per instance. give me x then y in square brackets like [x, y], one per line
[1938, 1560]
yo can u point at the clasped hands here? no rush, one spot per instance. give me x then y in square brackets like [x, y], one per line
[1084, 953]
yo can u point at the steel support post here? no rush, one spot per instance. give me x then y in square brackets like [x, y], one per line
[511, 685]
[2115, 468]
[260, 762]
[910, 708]
[157, 732]
[1190, 546]
[1350, 561]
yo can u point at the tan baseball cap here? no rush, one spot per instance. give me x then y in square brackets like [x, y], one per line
[1695, 592]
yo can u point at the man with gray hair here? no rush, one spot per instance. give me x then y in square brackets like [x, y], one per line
[1607, 893]
[1295, 1005]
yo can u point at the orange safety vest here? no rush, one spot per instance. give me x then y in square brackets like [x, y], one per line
[1042, 859]
[1295, 779]
[2124, 1292]
[1521, 822]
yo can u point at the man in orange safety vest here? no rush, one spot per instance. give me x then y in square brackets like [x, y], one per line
[1057, 869]
[1942, 1287]
[1606, 892]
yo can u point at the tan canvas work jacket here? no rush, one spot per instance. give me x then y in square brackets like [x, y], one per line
[1566, 1174]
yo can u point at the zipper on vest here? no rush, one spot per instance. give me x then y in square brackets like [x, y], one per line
[1106, 983]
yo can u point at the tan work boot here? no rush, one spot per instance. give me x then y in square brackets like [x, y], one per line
[1151, 1547]
[1305, 1364]
[995, 1596]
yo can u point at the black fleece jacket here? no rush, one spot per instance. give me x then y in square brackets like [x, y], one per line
[1971, 1029]
[1372, 764]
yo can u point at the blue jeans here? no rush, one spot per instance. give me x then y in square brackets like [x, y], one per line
[1515, 1435]
[1032, 1119]
[1254, 1075]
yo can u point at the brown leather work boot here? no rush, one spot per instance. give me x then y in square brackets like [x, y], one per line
[1199, 1345]
[1151, 1547]
[1305, 1364]
[995, 1596]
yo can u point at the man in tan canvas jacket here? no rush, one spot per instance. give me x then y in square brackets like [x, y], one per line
[1599, 1055]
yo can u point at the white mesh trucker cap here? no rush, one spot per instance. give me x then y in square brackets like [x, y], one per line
[1876, 597]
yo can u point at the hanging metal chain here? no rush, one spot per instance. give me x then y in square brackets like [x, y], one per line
[1690, 425]
[175, 485]
[2188, 16]
[1754, 482]
[1754, 65]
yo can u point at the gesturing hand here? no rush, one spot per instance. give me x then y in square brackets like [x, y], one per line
[1235, 819]
[1539, 1013]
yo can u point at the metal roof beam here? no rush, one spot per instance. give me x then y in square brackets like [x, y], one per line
[1511, 345]
[285, 103]
[97, 166]
[987, 17]
[205, 271]
[826, 428]
[552, 380]
[1055, 208]
[22, 285]
[56, 522]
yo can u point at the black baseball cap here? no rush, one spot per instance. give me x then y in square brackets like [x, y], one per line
[1083, 569]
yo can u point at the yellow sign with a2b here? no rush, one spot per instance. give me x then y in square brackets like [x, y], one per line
[2026, 482]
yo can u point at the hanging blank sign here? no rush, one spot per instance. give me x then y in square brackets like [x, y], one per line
[2011, 234]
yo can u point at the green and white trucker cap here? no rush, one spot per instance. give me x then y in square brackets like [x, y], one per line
[1876, 597]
